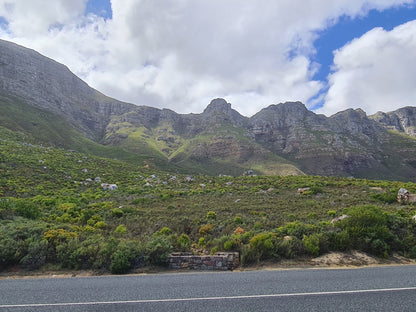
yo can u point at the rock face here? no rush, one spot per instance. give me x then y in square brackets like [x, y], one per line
[402, 120]
[46, 84]
[285, 138]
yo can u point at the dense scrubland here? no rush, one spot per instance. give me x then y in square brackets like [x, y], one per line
[55, 213]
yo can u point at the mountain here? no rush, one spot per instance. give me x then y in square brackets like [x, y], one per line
[43, 99]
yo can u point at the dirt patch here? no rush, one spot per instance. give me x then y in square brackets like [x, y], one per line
[332, 260]
[356, 258]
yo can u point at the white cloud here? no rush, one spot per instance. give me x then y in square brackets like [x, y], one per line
[33, 17]
[181, 54]
[376, 72]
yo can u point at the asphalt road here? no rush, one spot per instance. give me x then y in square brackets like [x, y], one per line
[366, 289]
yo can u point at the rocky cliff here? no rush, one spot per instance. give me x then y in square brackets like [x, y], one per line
[284, 138]
[402, 120]
[46, 84]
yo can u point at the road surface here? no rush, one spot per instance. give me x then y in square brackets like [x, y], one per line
[366, 289]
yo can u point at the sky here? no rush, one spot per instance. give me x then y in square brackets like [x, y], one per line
[181, 54]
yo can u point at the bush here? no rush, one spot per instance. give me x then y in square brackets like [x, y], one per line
[6, 208]
[183, 242]
[387, 197]
[164, 231]
[121, 229]
[120, 263]
[201, 242]
[157, 250]
[117, 213]
[127, 256]
[331, 213]
[212, 215]
[299, 229]
[230, 245]
[214, 250]
[311, 244]
[366, 229]
[248, 255]
[27, 209]
[263, 244]
[290, 248]
[238, 220]
[205, 230]
[8, 252]
[36, 255]
[68, 254]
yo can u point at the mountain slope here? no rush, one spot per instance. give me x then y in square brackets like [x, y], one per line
[43, 99]
[43, 83]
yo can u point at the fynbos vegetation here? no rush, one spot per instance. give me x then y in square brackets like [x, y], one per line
[55, 213]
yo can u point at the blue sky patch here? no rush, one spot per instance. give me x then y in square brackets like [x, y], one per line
[100, 7]
[348, 29]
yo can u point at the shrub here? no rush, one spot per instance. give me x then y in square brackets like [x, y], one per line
[205, 230]
[94, 219]
[214, 250]
[183, 242]
[201, 242]
[386, 197]
[366, 229]
[6, 207]
[117, 213]
[126, 256]
[230, 245]
[157, 250]
[121, 229]
[331, 213]
[238, 220]
[68, 254]
[311, 244]
[8, 252]
[316, 190]
[36, 254]
[27, 209]
[258, 225]
[101, 225]
[212, 215]
[248, 255]
[291, 217]
[238, 231]
[120, 263]
[263, 244]
[299, 229]
[164, 231]
[290, 248]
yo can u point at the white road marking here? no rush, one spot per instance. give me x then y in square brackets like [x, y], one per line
[341, 292]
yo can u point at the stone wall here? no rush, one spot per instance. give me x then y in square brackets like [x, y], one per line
[221, 261]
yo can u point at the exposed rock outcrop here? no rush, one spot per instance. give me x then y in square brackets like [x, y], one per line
[43, 83]
[283, 138]
[402, 120]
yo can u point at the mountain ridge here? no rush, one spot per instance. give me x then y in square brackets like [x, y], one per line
[284, 138]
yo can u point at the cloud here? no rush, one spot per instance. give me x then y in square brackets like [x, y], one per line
[375, 72]
[33, 17]
[181, 54]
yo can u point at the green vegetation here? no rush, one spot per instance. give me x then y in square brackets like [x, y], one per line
[54, 213]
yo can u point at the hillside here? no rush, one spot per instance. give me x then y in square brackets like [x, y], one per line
[56, 213]
[89, 182]
[43, 99]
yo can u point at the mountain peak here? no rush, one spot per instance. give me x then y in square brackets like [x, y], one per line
[218, 106]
